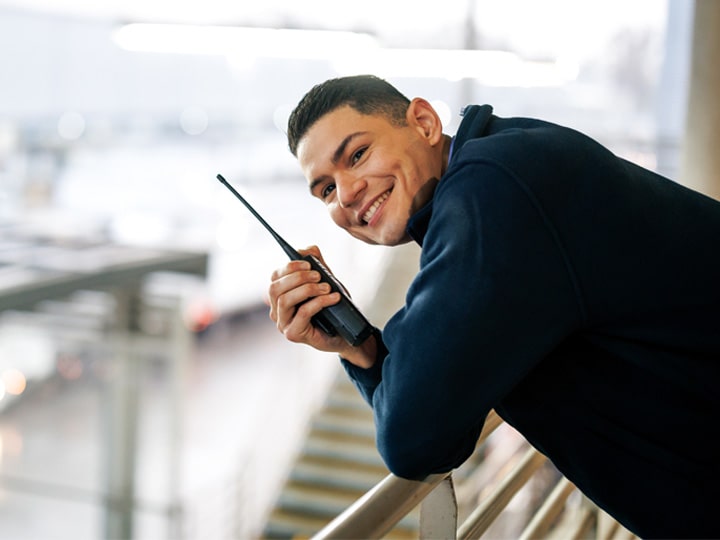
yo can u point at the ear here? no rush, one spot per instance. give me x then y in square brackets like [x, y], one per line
[422, 117]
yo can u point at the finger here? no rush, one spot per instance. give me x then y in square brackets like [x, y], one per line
[289, 282]
[289, 268]
[300, 328]
[288, 304]
[284, 280]
[315, 252]
[311, 250]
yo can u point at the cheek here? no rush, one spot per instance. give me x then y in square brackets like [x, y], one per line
[337, 215]
[380, 164]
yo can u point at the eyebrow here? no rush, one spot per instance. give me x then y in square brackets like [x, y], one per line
[339, 151]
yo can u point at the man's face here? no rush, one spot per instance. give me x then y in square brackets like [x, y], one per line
[369, 172]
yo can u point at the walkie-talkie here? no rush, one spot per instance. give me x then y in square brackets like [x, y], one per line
[343, 318]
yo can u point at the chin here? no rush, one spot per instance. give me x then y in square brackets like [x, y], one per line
[386, 238]
[394, 237]
[394, 240]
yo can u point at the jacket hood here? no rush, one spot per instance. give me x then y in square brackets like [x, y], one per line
[474, 124]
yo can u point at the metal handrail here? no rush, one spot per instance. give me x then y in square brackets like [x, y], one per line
[377, 512]
[483, 516]
[549, 511]
[381, 508]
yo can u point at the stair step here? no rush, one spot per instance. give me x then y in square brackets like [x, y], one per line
[311, 501]
[332, 425]
[349, 407]
[343, 384]
[343, 419]
[344, 465]
[348, 392]
[317, 488]
[341, 451]
[289, 525]
[348, 436]
[337, 465]
[314, 501]
[353, 479]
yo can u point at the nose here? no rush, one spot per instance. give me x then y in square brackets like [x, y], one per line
[349, 188]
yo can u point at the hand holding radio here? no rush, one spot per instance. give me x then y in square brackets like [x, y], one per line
[297, 293]
[295, 296]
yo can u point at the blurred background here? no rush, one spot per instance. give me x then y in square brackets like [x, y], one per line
[143, 389]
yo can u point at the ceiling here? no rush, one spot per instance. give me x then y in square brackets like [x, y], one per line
[321, 13]
[539, 29]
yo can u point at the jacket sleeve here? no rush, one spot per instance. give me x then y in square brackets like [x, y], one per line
[494, 294]
[367, 380]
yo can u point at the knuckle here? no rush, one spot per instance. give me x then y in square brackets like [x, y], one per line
[283, 303]
[291, 336]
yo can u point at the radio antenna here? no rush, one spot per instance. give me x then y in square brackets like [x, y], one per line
[287, 248]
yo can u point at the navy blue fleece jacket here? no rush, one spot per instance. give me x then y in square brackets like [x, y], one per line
[578, 295]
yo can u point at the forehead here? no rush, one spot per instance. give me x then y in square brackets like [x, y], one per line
[323, 138]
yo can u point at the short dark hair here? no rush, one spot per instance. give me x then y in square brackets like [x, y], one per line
[367, 94]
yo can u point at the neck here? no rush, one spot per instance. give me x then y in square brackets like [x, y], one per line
[447, 141]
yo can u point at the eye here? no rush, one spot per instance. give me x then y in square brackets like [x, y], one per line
[357, 155]
[326, 191]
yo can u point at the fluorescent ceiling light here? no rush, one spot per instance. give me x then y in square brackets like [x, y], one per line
[349, 52]
[491, 68]
[229, 40]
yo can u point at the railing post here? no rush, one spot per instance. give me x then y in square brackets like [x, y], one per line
[439, 512]
[121, 419]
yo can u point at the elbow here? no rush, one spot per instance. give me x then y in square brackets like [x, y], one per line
[412, 458]
[406, 465]
[416, 453]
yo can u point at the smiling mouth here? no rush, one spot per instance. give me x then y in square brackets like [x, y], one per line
[371, 211]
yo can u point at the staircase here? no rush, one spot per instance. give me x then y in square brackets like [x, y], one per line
[336, 466]
[339, 462]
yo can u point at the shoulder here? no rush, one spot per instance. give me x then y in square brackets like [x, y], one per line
[536, 154]
[521, 140]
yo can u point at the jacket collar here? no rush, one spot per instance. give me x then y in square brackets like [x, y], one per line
[474, 124]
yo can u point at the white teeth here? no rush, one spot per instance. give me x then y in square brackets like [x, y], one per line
[371, 211]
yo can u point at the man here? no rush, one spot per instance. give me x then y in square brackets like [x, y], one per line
[574, 292]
